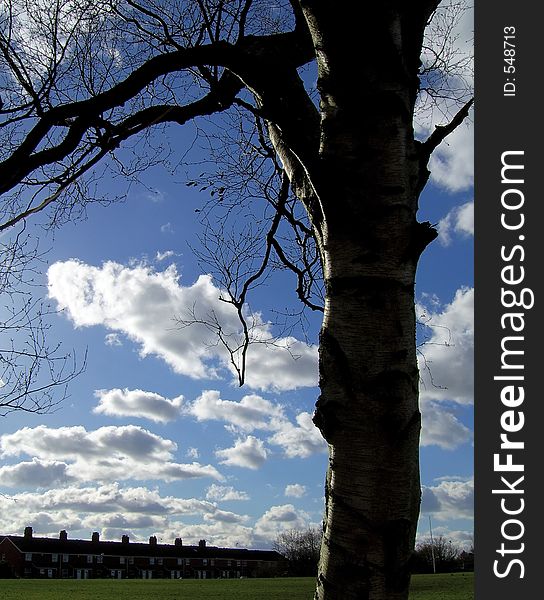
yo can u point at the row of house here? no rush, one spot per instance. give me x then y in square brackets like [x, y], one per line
[29, 556]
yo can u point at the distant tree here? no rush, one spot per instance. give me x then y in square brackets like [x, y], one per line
[338, 170]
[301, 550]
[442, 551]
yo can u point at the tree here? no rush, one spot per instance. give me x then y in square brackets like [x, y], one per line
[33, 368]
[440, 552]
[83, 79]
[301, 549]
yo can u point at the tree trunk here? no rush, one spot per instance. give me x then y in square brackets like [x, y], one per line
[367, 185]
[368, 413]
[368, 408]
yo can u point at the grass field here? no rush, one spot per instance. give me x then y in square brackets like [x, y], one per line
[458, 586]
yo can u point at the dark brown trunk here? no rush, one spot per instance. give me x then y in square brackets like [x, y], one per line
[362, 196]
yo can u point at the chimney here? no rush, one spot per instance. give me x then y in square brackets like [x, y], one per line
[28, 533]
[125, 539]
[202, 544]
[153, 540]
[178, 542]
[95, 537]
[63, 536]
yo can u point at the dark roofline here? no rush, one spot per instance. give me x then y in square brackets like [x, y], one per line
[111, 548]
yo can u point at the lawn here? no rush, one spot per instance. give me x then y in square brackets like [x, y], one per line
[457, 586]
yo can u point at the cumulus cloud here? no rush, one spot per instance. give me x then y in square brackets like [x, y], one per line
[143, 304]
[254, 412]
[220, 533]
[113, 339]
[301, 440]
[447, 358]
[441, 427]
[295, 490]
[36, 474]
[452, 163]
[160, 256]
[138, 403]
[449, 500]
[281, 518]
[106, 454]
[249, 453]
[446, 365]
[192, 453]
[222, 493]
[104, 507]
[114, 510]
[459, 220]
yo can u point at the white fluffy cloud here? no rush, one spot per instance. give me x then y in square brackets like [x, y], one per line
[281, 518]
[113, 339]
[452, 163]
[160, 256]
[36, 474]
[106, 454]
[450, 499]
[447, 370]
[301, 440]
[107, 508]
[114, 510]
[138, 403]
[295, 490]
[222, 493]
[249, 453]
[144, 304]
[447, 358]
[254, 412]
[459, 220]
[441, 427]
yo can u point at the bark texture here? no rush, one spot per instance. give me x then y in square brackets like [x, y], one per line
[369, 174]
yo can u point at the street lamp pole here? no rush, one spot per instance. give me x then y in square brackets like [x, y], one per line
[432, 545]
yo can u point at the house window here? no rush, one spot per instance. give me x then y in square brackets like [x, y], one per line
[229, 563]
[180, 561]
[65, 557]
[54, 557]
[100, 559]
[212, 562]
[89, 558]
[187, 561]
[238, 563]
[205, 562]
[131, 560]
[28, 556]
[121, 560]
[151, 561]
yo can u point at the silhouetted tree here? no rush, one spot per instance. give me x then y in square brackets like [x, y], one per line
[301, 550]
[80, 79]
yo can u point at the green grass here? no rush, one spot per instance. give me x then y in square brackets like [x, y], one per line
[457, 586]
[444, 586]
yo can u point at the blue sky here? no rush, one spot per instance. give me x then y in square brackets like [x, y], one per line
[156, 438]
